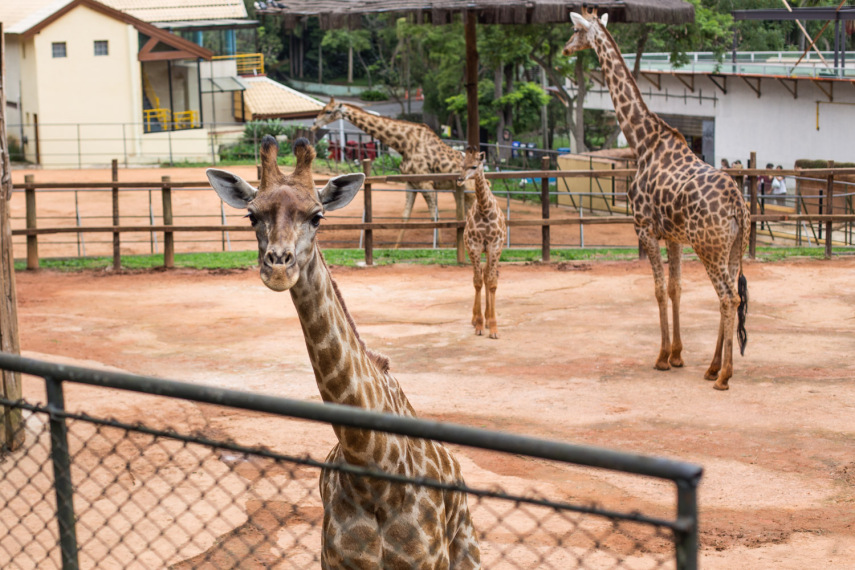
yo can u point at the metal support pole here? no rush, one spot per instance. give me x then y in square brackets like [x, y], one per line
[367, 215]
[686, 541]
[830, 193]
[117, 255]
[32, 241]
[62, 475]
[752, 184]
[544, 203]
[168, 237]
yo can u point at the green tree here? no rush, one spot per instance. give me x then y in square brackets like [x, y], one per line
[355, 42]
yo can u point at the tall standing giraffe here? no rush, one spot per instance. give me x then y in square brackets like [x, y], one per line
[484, 233]
[422, 152]
[368, 523]
[677, 197]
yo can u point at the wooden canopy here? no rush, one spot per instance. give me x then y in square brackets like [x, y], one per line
[347, 13]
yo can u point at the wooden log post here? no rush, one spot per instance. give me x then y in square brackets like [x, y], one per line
[544, 203]
[369, 217]
[33, 240]
[11, 419]
[829, 210]
[168, 237]
[752, 185]
[117, 256]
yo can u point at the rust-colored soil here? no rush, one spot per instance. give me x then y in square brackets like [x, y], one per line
[574, 363]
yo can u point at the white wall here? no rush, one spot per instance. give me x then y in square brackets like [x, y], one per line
[780, 128]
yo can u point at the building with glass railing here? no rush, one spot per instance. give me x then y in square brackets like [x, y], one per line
[783, 105]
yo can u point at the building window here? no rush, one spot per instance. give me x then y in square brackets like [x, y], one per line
[58, 49]
[102, 47]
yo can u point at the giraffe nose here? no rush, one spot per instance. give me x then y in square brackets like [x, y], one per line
[279, 257]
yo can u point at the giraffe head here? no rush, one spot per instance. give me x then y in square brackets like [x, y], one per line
[586, 26]
[285, 210]
[332, 111]
[473, 161]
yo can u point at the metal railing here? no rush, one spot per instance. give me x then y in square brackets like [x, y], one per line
[247, 63]
[777, 63]
[86, 491]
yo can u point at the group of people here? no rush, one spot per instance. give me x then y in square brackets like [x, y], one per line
[774, 186]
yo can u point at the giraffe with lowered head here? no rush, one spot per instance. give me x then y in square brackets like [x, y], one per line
[677, 197]
[422, 152]
[484, 233]
[368, 522]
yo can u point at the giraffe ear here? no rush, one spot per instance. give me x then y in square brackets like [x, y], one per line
[232, 189]
[604, 19]
[340, 190]
[579, 21]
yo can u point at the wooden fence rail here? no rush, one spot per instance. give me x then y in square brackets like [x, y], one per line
[31, 231]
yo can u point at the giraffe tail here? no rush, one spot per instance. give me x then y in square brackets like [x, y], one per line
[742, 311]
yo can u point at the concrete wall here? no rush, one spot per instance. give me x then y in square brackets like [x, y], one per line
[779, 127]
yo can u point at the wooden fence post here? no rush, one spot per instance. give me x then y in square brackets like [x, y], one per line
[752, 185]
[830, 197]
[544, 204]
[168, 237]
[32, 241]
[11, 419]
[369, 217]
[117, 256]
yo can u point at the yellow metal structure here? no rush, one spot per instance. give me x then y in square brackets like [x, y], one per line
[156, 115]
[247, 63]
[185, 120]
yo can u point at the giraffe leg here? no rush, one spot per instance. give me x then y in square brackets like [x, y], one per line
[433, 206]
[478, 282]
[651, 246]
[492, 282]
[408, 209]
[721, 367]
[675, 251]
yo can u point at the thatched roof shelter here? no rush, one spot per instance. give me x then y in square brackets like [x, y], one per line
[347, 13]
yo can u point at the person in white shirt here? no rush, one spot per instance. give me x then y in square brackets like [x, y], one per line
[779, 188]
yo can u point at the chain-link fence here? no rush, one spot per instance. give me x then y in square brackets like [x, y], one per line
[92, 492]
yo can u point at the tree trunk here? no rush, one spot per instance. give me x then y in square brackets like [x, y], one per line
[581, 91]
[350, 64]
[11, 432]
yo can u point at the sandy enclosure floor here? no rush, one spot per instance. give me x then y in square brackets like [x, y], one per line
[574, 362]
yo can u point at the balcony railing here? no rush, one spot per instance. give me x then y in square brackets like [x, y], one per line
[247, 63]
[159, 120]
[772, 63]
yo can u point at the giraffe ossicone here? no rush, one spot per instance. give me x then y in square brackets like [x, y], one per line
[677, 197]
[368, 522]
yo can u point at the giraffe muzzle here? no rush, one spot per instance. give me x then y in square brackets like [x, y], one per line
[279, 270]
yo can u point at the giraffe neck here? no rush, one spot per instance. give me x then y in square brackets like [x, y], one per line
[482, 191]
[631, 111]
[346, 371]
[393, 133]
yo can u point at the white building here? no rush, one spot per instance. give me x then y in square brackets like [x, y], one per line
[762, 103]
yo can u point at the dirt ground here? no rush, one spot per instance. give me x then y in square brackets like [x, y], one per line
[574, 363]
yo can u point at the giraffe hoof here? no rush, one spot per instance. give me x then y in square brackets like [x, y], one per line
[721, 386]
[479, 332]
[710, 375]
[662, 365]
[494, 335]
[676, 362]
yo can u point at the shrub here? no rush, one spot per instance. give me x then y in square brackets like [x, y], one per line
[373, 95]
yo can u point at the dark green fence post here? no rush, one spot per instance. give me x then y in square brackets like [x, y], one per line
[544, 208]
[62, 475]
[686, 539]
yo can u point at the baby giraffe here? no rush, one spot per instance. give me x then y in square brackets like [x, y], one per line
[368, 522]
[484, 233]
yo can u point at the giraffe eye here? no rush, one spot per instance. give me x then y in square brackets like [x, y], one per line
[316, 219]
[252, 219]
